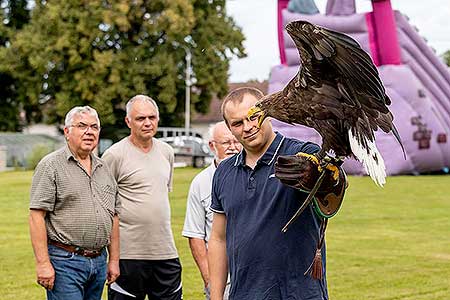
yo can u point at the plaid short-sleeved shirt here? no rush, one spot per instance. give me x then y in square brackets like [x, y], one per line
[80, 208]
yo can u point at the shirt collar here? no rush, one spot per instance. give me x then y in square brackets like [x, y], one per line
[240, 159]
[268, 157]
[68, 153]
[94, 159]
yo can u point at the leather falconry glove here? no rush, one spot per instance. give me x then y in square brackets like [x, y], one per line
[302, 173]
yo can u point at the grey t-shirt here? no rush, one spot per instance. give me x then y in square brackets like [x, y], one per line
[144, 180]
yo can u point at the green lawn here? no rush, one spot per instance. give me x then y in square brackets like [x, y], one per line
[390, 243]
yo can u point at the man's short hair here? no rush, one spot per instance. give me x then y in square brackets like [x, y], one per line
[237, 95]
[142, 98]
[212, 129]
[210, 134]
[77, 110]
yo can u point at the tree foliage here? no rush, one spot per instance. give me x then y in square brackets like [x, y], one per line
[101, 53]
[446, 56]
[13, 15]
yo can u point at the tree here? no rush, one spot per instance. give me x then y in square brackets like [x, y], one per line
[446, 57]
[13, 15]
[100, 53]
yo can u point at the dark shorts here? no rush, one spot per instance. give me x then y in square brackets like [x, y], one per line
[157, 279]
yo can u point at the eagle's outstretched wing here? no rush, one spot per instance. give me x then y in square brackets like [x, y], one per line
[327, 54]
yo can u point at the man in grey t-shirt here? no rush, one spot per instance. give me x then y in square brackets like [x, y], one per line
[197, 224]
[143, 167]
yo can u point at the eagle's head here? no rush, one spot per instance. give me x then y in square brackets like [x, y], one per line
[271, 105]
[257, 112]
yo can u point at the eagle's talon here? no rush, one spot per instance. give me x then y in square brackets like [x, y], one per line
[334, 170]
[326, 164]
[310, 157]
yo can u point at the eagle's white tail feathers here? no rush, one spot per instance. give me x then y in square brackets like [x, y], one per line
[373, 161]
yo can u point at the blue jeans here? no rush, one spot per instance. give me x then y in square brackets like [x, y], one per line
[76, 277]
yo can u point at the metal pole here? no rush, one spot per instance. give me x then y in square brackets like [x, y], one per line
[187, 118]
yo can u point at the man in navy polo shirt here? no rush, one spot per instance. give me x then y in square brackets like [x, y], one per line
[251, 206]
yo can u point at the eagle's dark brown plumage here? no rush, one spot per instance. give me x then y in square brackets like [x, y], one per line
[338, 92]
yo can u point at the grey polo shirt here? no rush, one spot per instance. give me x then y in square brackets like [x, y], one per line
[198, 220]
[80, 207]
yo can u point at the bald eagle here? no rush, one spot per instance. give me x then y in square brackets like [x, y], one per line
[338, 92]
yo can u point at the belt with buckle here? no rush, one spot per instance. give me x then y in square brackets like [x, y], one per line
[90, 253]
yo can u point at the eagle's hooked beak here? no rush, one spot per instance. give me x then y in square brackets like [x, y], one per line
[256, 112]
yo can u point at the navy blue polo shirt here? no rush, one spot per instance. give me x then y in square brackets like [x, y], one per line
[265, 263]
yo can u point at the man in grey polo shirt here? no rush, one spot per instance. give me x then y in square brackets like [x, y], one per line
[198, 220]
[74, 215]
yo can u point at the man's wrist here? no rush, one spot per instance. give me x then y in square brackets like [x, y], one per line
[43, 262]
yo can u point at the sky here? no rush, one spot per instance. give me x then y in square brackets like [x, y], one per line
[258, 18]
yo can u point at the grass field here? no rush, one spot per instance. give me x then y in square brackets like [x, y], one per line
[390, 243]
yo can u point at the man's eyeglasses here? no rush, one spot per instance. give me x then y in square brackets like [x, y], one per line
[227, 143]
[84, 127]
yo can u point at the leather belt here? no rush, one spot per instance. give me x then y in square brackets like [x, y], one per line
[90, 253]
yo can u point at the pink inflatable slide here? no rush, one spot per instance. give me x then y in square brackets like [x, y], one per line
[416, 80]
